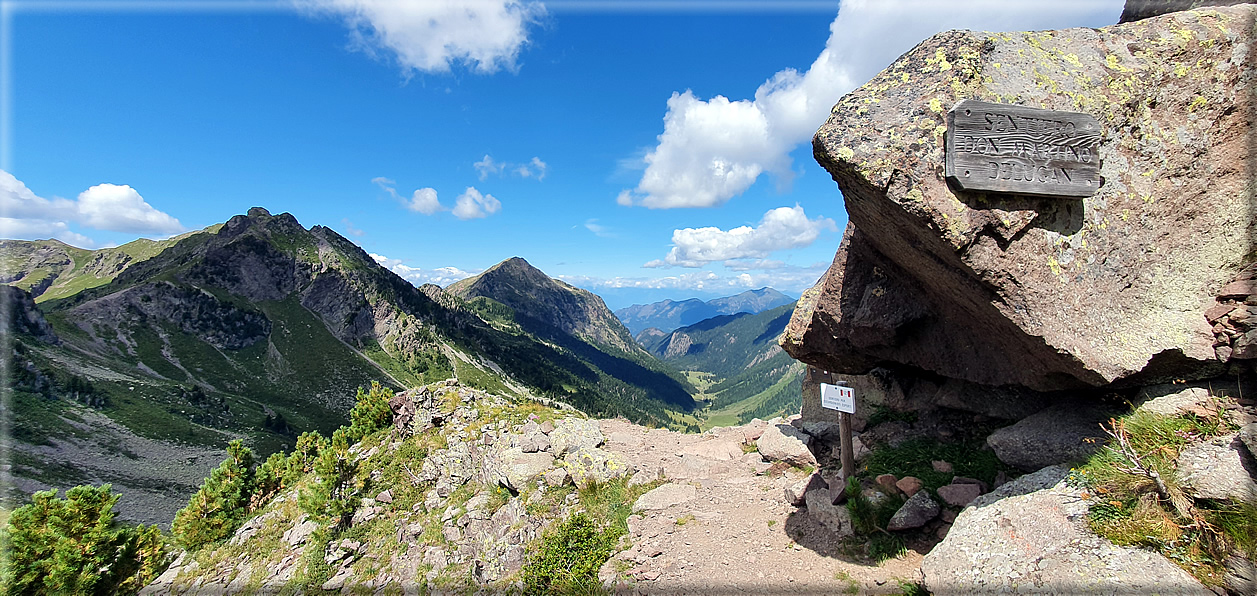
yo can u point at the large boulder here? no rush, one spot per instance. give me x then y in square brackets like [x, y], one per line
[665, 496]
[590, 465]
[1039, 543]
[1045, 293]
[821, 508]
[517, 468]
[572, 434]
[1059, 434]
[915, 512]
[785, 443]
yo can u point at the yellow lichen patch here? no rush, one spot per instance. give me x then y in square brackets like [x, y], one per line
[1199, 102]
[1180, 71]
[1112, 63]
[845, 153]
[1073, 60]
[903, 78]
[938, 133]
[936, 106]
[939, 58]
[1054, 265]
[1125, 214]
[1186, 34]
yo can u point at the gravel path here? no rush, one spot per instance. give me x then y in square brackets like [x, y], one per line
[737, 534]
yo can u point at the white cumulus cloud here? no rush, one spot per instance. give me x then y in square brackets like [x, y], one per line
[121, 209]
[110, 207]
[422, 201]
[713, 150]
[472, 204]
[780, 229]
[441, 276]
[431, 36]
[32, 229]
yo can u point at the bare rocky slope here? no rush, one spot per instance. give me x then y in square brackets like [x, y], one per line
[465, 485]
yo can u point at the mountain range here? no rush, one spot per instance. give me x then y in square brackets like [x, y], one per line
[667, 315]
[259, 328]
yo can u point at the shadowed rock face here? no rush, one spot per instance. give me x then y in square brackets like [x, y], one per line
[1135, 10]
[1042, 292]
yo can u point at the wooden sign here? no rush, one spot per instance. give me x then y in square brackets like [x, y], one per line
[1014, 149]
[839, 398]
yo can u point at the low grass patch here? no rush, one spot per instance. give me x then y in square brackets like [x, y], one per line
[869, 520]
[912, 458]
[1136, 499]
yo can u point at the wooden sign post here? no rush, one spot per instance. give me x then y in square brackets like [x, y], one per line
[837, 397]
[1014, 149]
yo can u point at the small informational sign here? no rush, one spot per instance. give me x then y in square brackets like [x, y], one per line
[837, 397]
[1015, 149]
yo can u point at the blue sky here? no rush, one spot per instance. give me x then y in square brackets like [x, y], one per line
[639, 149]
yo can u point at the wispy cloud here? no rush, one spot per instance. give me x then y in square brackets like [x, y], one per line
[441, 276]
[349, 227]
[598, 229]
[534, 168]
[432, 36]
[786, 278]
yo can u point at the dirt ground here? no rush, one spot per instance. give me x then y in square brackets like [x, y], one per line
[738, 534]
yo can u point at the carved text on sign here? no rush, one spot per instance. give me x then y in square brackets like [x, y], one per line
[1004, 148]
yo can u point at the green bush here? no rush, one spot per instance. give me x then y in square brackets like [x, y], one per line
[370, 412]
[75, 546]
[335, 495]
[569, 557]
[219, 507]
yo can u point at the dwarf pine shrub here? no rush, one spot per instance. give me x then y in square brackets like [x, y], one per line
[75, 546]
[219, 507]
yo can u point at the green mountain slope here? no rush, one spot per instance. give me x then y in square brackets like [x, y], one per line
[261, 329]
[51, 269]
[745, 373]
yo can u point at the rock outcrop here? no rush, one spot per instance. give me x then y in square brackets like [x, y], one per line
[18, 314]
[1023, 292]
[1039, 543]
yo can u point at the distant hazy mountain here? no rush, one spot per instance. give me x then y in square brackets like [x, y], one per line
[667, 315]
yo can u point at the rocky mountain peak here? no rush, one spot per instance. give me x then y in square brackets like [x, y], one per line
[550, 302]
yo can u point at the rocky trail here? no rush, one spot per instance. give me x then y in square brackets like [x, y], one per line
[728, 528]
